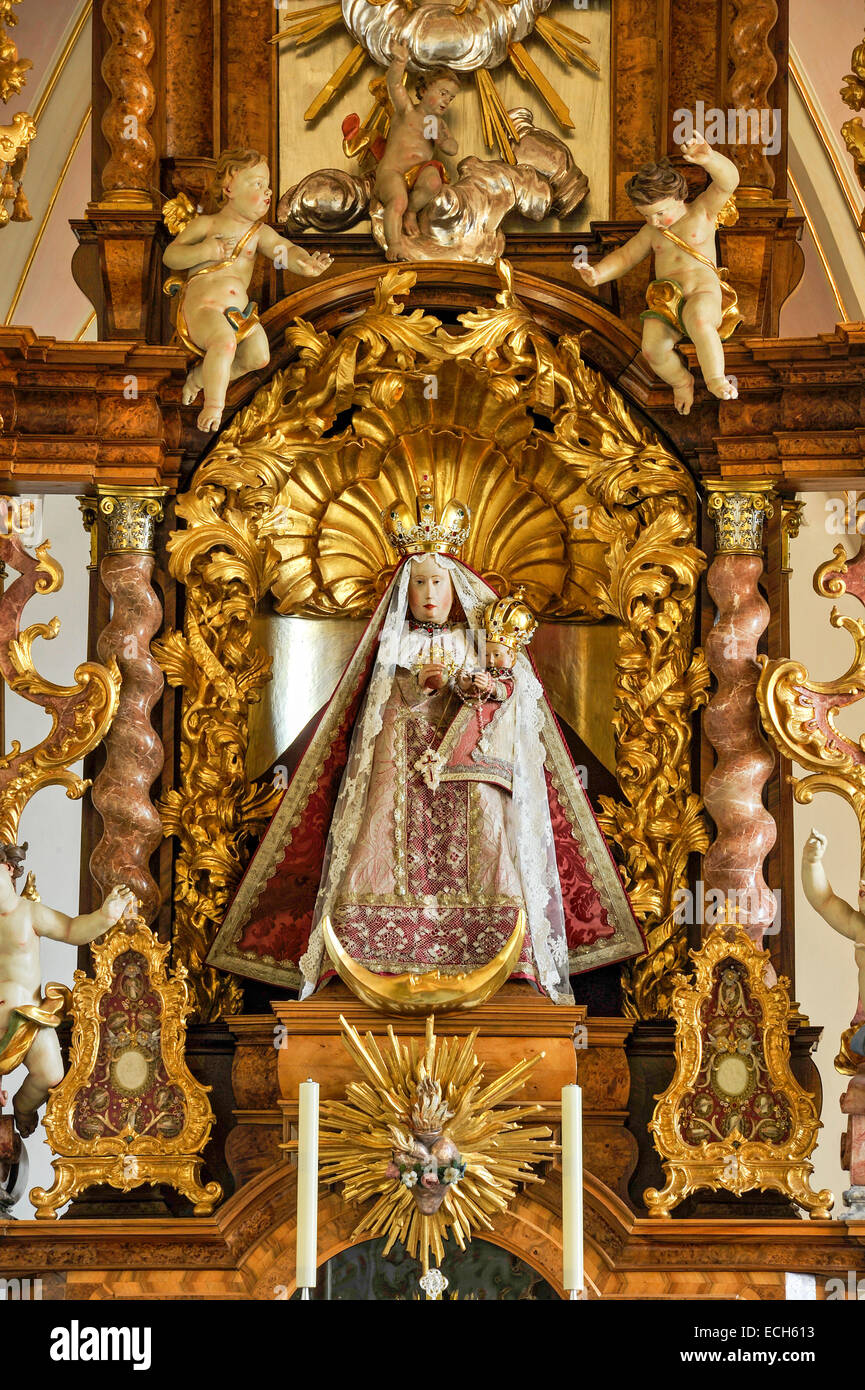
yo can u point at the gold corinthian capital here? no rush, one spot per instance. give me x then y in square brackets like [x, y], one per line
[132, 514]
[738, 510]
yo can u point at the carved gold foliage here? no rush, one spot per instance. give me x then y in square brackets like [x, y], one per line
[592, 515]
[853, 94]
[654, 567]
[127, 1158]
[714, 1057]
[80, 714]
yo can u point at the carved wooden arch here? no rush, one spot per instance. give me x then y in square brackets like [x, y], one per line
[287, 502]
[260, 1224]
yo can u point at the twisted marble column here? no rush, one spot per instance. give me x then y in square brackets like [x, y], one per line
[134, 755]
[130, 171]
[745, 831]
[753, 70]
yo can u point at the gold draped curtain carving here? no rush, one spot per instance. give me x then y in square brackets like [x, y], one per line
[571, 496]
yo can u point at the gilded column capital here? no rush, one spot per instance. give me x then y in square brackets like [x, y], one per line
[738, 510]
[132, 514]
[89, 515]
[791, 520]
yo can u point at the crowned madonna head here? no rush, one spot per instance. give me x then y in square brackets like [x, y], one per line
[427, 533]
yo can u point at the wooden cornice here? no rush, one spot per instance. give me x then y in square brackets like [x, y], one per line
[73, 413]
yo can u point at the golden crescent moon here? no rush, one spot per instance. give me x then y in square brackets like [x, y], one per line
[431, 992]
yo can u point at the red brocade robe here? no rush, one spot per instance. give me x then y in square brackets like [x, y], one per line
[431, 881]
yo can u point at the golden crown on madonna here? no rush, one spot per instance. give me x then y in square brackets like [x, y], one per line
[428, 534]
[509, 620]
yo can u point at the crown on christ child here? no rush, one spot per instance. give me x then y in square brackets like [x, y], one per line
[510, 621]
[429, 534]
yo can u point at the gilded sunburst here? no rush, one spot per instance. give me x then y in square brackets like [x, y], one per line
[428, 1147]
[472, 37]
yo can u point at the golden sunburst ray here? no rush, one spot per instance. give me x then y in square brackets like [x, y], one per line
[310, 24]
[489, 1150]
[497, 126]
[351, 64]
[564, 42]
[526, 68]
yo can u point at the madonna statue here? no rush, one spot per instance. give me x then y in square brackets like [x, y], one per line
[436, 801]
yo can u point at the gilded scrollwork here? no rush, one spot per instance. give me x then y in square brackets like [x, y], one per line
[128, 1111]
[734, 1117]
[81, 714]
[799, 716]
[593, 516]
[799, 713]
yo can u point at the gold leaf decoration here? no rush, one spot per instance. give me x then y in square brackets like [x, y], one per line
[81, 714]
[592, 515]
[359, 1135]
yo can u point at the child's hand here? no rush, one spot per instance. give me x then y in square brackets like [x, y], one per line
[815, 847]
[696, 150]
[400, 53]
[316, 263]
[212, 248]
[589, 274]
[482, 682]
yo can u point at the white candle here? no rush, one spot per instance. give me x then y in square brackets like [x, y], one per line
[572, 1188]
[307, 1185]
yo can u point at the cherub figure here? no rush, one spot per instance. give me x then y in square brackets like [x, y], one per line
[215, 317]
[690, 297]
[840, 915]
[408, 177]
[27, 1018]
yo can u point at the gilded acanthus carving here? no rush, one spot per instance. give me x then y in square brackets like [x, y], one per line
[80, 714]
[853, 94]
[14, 138]
[593, 516]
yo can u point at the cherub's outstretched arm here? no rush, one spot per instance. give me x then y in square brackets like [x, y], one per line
[402, 102]
[843, 918]
[721, 170]
[287, 256]
[194, 245]
[79, 930]
[620, 261]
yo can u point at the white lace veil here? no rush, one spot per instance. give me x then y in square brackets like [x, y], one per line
[527, 815]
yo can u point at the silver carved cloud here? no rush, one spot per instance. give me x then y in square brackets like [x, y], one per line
[437, 35]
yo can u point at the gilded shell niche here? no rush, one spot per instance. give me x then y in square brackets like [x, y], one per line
[530, 512]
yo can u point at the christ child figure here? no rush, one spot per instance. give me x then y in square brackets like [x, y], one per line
[689, 298]
[27, 1019]
[408, 177]
[215, 317]
[841, 916]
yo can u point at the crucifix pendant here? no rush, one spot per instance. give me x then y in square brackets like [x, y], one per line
[430, 765]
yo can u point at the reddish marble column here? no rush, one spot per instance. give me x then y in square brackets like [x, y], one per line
[132, 829]
[745, 831]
